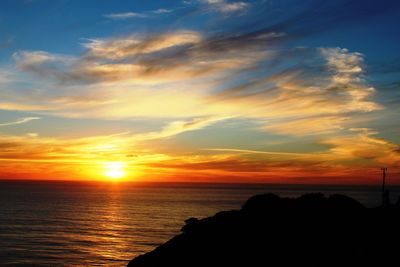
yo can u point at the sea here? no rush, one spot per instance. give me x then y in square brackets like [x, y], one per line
[108, 224]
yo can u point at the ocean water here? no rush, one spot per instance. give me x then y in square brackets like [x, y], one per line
[107, 224]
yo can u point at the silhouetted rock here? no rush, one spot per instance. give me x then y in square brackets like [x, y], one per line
[343, 202]
[190, 224]
[271, 231]
[262, 202]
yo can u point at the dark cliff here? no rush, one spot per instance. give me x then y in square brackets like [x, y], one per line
[271, 231]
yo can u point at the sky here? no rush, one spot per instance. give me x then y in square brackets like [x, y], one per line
[265, 91]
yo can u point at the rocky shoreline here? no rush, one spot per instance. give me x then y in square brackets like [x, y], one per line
[268, 230]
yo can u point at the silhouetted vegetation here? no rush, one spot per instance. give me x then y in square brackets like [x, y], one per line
[313, 230]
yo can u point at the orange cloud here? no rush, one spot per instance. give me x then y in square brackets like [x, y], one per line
[192, 82]
[122, 48]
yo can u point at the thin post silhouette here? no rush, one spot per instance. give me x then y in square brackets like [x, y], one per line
[384, 170]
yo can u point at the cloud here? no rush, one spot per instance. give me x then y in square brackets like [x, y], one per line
[170, 56]
[347, 68]
[358, 152]
[319, 88]
[250, 168]
[31, 59]
[312, 98]
[25, 106]
[190, 74]
[131, 15]
[357, 156]
[45, 149]
[162, 11]
[20, 121]
[84, 156]
[363, 146]
[177, 127]
[226, 7]
[32, 147]
[178, 54]
[126, 15]
[131, 46]
[46, 64]
[308, 126]
[247, 151]
[32, 135]
[36, 148]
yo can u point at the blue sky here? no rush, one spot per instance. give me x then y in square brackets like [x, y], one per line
[59, 25]
[201, 83]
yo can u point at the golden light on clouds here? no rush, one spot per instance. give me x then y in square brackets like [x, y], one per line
[187, 102]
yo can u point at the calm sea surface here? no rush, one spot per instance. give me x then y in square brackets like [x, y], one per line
[99, 224]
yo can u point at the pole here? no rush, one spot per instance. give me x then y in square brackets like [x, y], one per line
[384, 170]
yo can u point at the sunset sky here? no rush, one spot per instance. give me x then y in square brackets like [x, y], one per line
[275, 91]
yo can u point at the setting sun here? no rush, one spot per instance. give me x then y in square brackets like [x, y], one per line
[115, 170]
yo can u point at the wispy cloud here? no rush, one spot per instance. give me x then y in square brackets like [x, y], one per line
[131, 15]
[226, 7]
[319, 91]
[363, 145]
[162, 11]
[177, 127]
[19, 121]
[247, 151]
[44, 64]
[125, 15]
[131, 46]
[315, 126]
[166, 57]
[343, 152]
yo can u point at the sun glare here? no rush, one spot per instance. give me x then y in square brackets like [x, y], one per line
[115, 170]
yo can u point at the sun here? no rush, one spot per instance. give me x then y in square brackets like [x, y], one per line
[115, 170]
